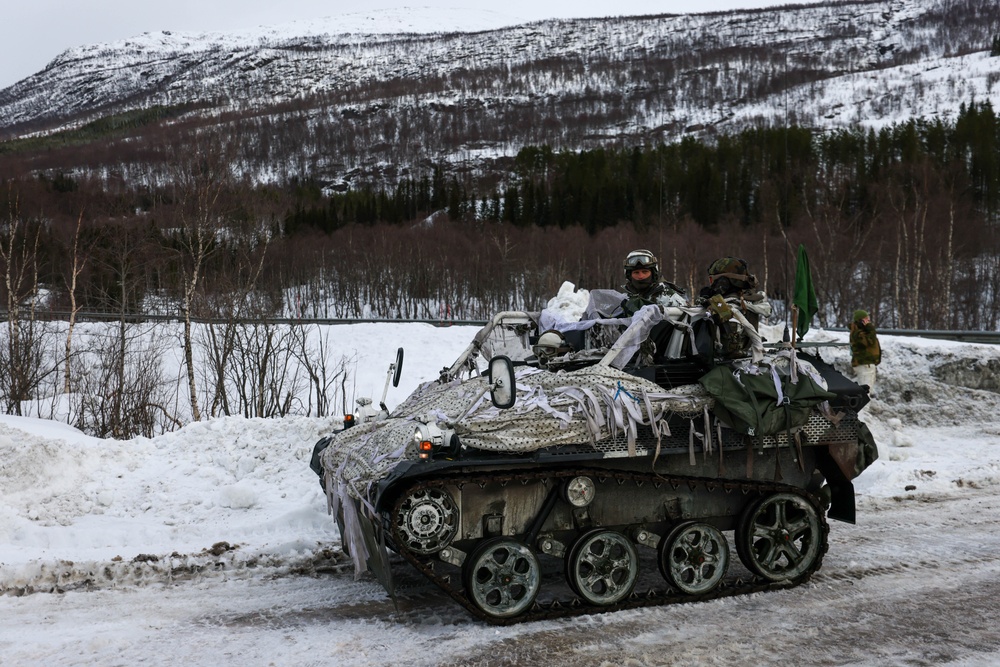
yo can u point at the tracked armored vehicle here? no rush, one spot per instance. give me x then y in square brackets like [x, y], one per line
[594, 474]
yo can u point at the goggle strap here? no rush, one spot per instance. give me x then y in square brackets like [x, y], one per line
[639, 260]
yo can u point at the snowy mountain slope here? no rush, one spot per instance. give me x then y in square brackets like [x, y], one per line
[885, 96]
[829, 63]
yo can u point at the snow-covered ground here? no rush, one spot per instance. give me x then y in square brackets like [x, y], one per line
[211, 545]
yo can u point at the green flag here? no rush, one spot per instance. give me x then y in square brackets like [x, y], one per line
[805, 295]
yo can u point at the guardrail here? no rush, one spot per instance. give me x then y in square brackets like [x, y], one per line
[135, 318]
[989, 337]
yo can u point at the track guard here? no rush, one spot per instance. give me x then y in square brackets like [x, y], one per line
[378, 556]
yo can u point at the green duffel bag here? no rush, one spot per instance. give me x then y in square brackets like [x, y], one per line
[750, 403]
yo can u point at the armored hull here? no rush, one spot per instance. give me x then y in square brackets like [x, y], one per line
[605, 490]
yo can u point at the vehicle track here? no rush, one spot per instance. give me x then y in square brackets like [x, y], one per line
[915, 589]
[566, 603]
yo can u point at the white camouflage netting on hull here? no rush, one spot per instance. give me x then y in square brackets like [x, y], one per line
[552, 409]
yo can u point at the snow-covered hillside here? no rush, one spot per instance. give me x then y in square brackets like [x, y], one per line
[213, 542]
[824, 65]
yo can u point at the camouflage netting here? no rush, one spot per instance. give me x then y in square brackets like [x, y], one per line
[581, 407]
[552, 409]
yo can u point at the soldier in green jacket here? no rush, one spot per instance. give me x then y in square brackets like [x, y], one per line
[866, 353]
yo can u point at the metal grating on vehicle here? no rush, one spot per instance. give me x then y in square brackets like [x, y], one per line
[645, 442]
[818, 429]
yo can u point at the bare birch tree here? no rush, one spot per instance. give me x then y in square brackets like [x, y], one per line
[121, 386]
[325, 377]
[840, 240]
[22, 357]
[78, 265]
[201, 181]
[237, 301]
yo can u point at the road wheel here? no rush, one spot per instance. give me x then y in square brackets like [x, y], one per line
[694, 557]
[780, 537]
[602, 567]
[502, 577]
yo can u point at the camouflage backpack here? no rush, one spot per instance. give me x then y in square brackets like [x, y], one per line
[732, 341]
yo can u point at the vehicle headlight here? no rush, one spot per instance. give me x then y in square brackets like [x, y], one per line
[428, 438]
[424, 441]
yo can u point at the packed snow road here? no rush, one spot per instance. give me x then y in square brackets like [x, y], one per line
[916, 582]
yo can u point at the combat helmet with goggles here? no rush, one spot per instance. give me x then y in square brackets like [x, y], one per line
[641, 259]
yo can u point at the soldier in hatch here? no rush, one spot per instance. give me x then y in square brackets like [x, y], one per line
[643, 286]
[732, 286]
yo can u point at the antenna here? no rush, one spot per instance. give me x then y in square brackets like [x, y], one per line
[783, 209]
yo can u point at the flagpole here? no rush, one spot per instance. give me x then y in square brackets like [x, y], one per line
[792, 360]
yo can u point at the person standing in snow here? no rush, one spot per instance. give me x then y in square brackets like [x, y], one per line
[866, 353]
[643, 285]
[732, 286]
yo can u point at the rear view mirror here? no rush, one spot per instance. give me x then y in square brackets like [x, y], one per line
[399, 367]
[395, 369]
[501, 382]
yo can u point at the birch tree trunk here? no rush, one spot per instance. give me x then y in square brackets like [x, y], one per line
[19, 254]
[190, 286]
[918, 257]
[201, 177]
[948, 264]
[75, 272]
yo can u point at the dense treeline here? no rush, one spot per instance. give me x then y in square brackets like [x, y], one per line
[733, 179]
[900, 220]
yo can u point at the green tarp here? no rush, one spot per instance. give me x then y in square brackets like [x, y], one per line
[749, 404]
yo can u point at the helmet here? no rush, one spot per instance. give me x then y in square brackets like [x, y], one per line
[731, 273]
[641, 259]
[551, 344]
[733, 265]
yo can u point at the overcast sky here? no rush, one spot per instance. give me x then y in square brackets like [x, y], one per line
[33, 32]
